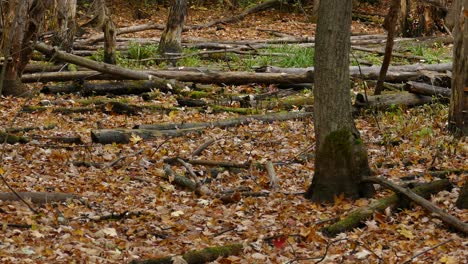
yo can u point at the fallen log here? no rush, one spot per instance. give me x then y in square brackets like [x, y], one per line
[444, 216]
[123, 136]
[385, 101]
[427, 89]
[243, 120]
[119, 31]
[116, 88]
[39, 197]
[197, 256]
[356, 217]
[395, 73]
[12, 139]
[98, 66]
[184, 76]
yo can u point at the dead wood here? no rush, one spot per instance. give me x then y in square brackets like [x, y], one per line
[12, 139]
[98, 66]
[214, 163]
[395, 73]
[243, 120]
[26, 129]
[197, 256]
[109, 136]
[386, 101]
[427, 89]
[208, 77]
[414, 197]
[119, 31]
[202, 147]
[39, 197]
[116, 88]
[356, 217]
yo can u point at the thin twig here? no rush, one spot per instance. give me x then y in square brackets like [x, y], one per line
[427, 250]
[17, 195]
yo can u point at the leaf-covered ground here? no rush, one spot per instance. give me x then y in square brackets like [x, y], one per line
[128, 210]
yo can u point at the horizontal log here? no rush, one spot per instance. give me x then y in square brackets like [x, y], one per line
[123, 136]
[39, 197]
[395, 73]
[243, 120]
[356, 217]
[116, 88]
[427, 89]
[414, 197]
[386, 101]
[98, 66]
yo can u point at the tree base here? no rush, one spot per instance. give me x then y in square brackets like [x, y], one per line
[14, 88]
[340, 165]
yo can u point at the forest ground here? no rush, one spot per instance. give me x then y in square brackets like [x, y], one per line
[130, 211]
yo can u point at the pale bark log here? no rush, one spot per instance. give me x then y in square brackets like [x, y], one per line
[385, 101]
[39, 197]
[109, 136]
[427, 89]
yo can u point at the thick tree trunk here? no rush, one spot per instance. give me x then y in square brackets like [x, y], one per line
[458, 113]
[171, 38]
[23, 21]
[341, 157]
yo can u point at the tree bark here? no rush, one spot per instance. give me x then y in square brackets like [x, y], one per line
[171, 38]
[65, 15]
[385, 101]
[23, 21]
[458, 113]
[462, 201]
[427, 89]
[341, 157]
[390, 25]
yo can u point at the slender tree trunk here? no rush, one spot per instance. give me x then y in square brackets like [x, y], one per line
[341, 157]
[390, 25]
[315, 7]
[23, 21]
[458, 113]
[66, 12]
[171, 38]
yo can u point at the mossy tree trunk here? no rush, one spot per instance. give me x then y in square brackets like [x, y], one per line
[171, 38]
[458, 113]
[341, 157]
[23, 20]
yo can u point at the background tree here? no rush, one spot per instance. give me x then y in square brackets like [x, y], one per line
[22, 22]
[458, 116]
[65, 13]
[171, 38]
[341, 157]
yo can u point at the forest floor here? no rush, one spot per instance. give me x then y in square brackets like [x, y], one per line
[129, 210]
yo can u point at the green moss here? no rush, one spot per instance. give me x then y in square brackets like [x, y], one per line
[12, 139]
[197, 94]
[339, 140]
